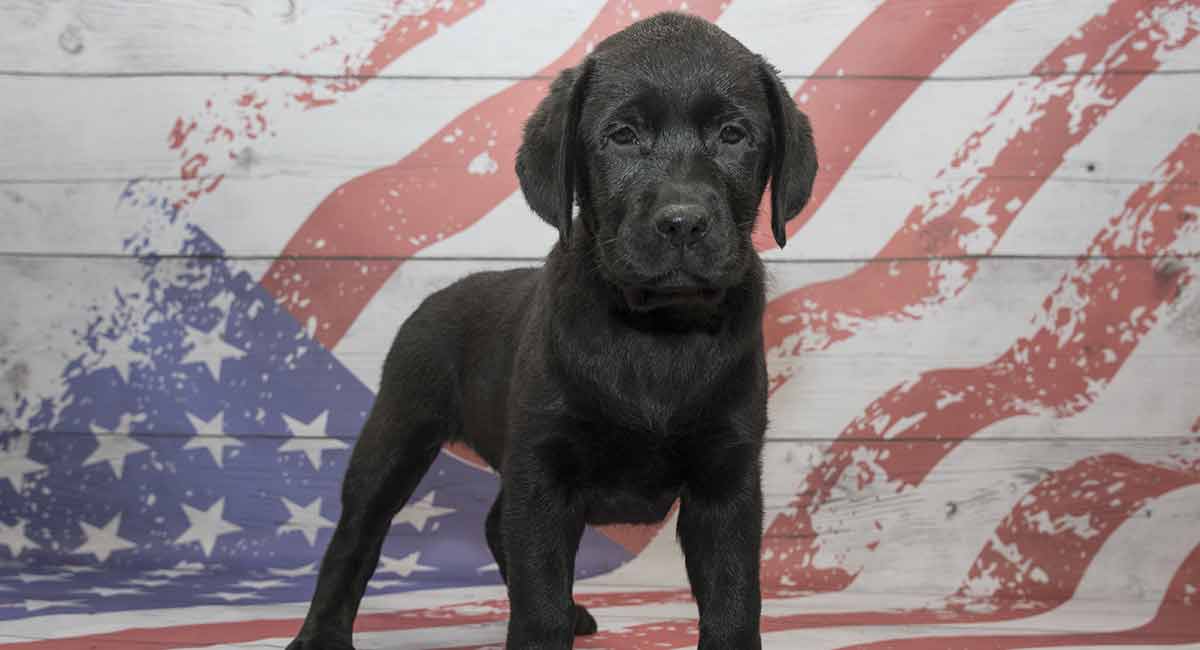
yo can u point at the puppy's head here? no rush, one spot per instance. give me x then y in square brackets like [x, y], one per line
[666, 136]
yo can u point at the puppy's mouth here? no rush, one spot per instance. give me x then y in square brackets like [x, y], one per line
[643, 299]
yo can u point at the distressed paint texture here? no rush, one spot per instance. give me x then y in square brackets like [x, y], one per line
[1028, 133]
[1084, 332]
[207, 400]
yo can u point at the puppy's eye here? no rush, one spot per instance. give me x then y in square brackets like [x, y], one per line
[732, 135]
[623, 137]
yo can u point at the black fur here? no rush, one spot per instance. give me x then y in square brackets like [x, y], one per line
[626, 373]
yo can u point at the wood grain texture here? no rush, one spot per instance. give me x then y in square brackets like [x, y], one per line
[51, 135]
[935, 534]
[1147, 398]
[276, 183]
[181, 37]
[983, 337]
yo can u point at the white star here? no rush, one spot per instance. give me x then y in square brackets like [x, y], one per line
[209, 348]
[123, 358]
[35, 605]
[15, 462]
[210, 436]
[262, 584]
[113, 446]
[103, 542]
[418, 514]
[307, 520]
[106, 592]
[229, 596]
[310, 438]
[306, 570]
[205, 526]
[14, 538]
[403, 567]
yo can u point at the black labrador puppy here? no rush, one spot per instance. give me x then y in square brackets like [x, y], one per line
[628, 371]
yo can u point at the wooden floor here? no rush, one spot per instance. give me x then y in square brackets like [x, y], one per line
[474, 618]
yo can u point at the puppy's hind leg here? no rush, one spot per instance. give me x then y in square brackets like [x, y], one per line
[415, 412]
[585, 624]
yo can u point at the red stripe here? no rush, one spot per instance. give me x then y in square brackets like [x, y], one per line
[397, 39]
[969, 218]
[1038, 555]
[429, 195]
[1085, 331]
[848, 113]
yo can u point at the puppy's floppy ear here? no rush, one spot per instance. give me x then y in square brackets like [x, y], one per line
[793, 154]
[548, 160]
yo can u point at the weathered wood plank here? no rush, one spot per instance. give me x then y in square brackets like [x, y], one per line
[278, 182]
[52, 301]
[182, 37]
[256, 217]
[1080, 618]
[489, 635]
[51, 134]
[923, 538]
[105, 37]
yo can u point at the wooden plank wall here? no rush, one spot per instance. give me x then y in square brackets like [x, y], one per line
[991, 306]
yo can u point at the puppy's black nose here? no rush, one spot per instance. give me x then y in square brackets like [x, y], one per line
[683, 225]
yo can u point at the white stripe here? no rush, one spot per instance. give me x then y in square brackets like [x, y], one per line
[520, 40]
[795, 37]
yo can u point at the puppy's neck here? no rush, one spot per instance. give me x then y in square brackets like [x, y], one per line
[583, 292]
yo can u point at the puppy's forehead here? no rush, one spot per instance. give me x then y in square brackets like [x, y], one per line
[675, 59]
[672, 33]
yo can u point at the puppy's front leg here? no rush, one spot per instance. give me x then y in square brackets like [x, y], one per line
[720, 529]
[542, 523]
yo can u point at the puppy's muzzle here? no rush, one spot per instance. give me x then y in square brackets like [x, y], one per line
[640, 299]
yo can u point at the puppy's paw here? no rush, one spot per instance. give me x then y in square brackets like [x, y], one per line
[319, 644]
[584, 623]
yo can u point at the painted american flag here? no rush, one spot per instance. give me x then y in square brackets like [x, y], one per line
[177, 486]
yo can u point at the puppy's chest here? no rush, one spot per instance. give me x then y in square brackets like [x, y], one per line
[647, 390]
[628, 482]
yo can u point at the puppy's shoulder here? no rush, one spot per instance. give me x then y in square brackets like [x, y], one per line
[483, 294]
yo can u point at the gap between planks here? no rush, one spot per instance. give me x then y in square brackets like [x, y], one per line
[260, 75]
[1015, 257]
[1083, 440]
